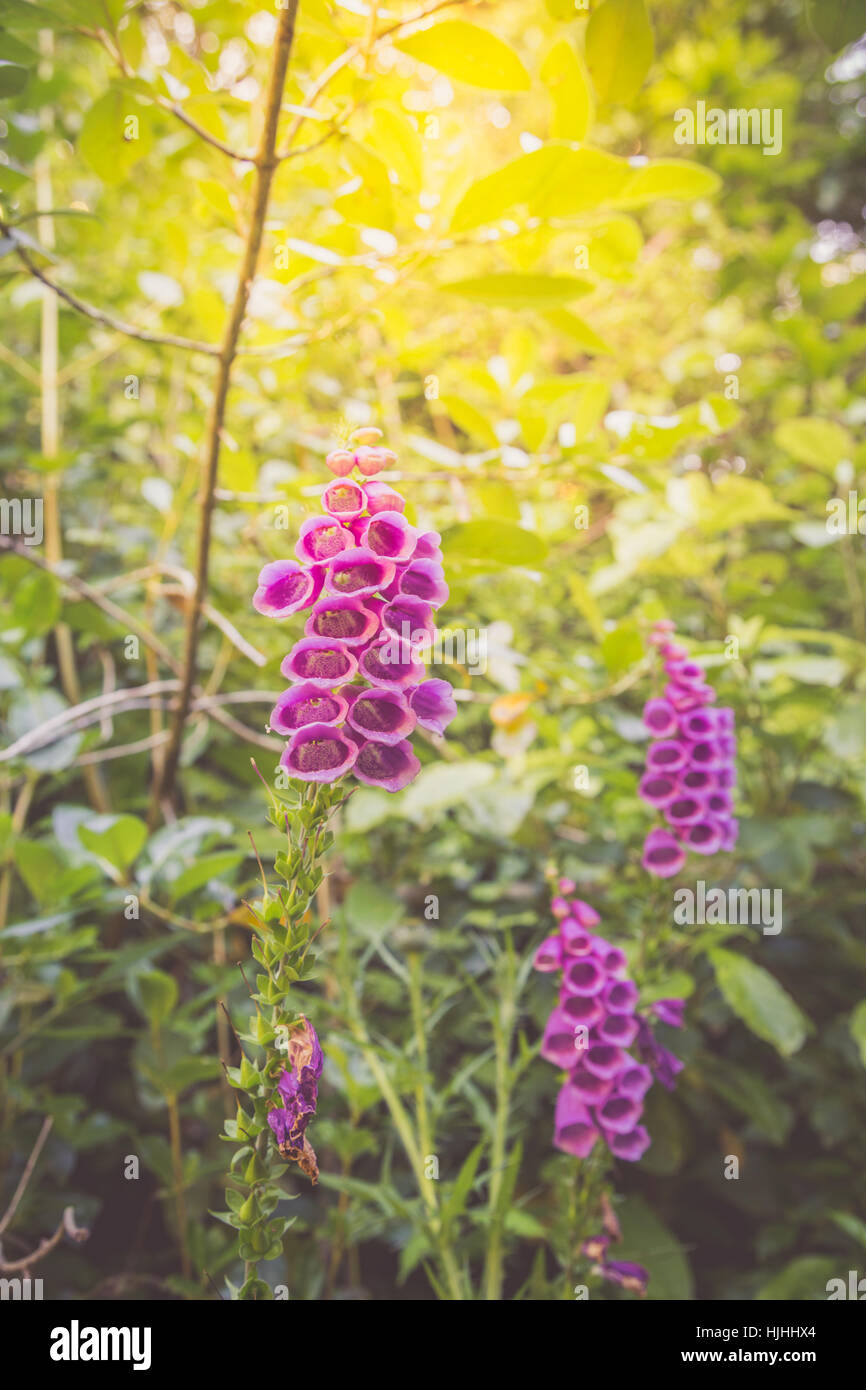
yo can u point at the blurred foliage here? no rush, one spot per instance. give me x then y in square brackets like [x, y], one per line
[625, 380]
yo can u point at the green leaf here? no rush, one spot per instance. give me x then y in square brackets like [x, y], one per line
[453, 1205]
[515, 291]
[760, 1001]
[858, 1029]
[803, 1280]
[567, 81]
[473, 422]
[157, 992]
[117, 839]
[117, 132]
[619, 49]
[499, 541]
[557, 180]
[13, 78]
[469, 54]
[668, 178]
[648, 1242]
[810, 440]
[837, 22]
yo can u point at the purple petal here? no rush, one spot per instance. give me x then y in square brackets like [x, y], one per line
[382, 716]
[319, 753]
[434, 705]
[319, 661]
[391, 767]
[306, 704]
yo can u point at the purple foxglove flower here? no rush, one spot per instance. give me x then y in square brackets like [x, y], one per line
[725, 778]
[634, 1081]
[345, 499]
[685, 672]
[390, 766]
[358, 571]
[319, 753]
[285, 587]
[662, 854]
[390, 535]
[581, 1008]
[685, 810]
[730, 830]
[698, 724]
[685, 697]
[620, 997]
[618, 1029]
[613, 960]
[706, 755]
[575, 941]
[603, 1059]
[586, 916]
[566, 886]
[660, 718]
[428, 547]
[319, 661]
[383, 498]
[657, 789]
[558, 1044]
[392, 665]
[434, 705]
[695, 783]
[298, 1091]
[411, 620]
[704, 836]
[583, 976]
[548, 956]
[631, 1146]
[306, 704]
[424, 579]
[574, 1131]
[725, 719]
[559, 907]
[663, 1064]
[668, 755]
[321, 538]
[383, 716]
[626, 1274]
[619, 1114]
[592, 1089]
[344, 620]
[595, 1247]
[670, 1011]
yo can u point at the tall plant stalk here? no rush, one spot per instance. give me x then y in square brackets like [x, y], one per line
[265, 161]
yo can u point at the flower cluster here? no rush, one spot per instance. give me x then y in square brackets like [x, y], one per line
[590, 1031]
[371, 582]
[298, 1091]
[690, 772]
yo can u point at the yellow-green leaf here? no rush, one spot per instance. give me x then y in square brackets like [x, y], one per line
[566, 79]
[619, 48]
[667, 178]
[810, 440]
[514, 291]
[468, 53]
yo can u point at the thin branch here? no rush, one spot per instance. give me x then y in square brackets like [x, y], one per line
[67, 1227]
[99, 315]
[28, 1172]
[266, 163]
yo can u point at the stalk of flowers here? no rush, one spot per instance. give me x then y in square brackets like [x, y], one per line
[590, 1031]
[371, 582]
[690, 765]
[358, 688]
